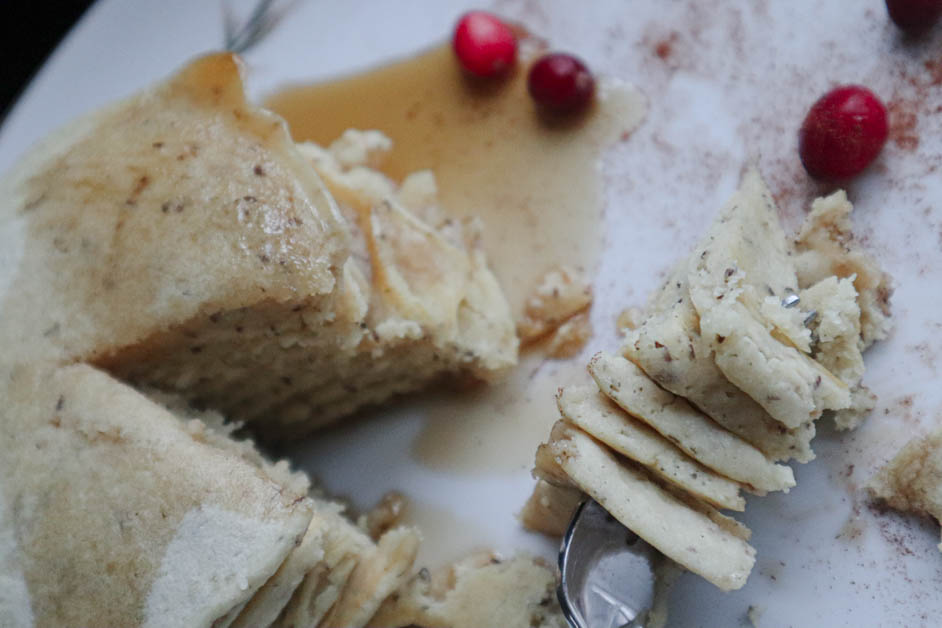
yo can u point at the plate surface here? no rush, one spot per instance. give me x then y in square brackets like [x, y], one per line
[726, 85]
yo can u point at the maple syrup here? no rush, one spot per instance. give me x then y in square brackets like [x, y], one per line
[534, 181]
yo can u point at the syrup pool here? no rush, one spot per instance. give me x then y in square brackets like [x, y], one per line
[534, 182]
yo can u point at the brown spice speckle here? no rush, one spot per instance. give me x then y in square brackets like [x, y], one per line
[142, 182]
[903, 121]
[663, 49]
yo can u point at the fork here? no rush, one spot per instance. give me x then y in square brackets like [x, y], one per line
[606, 572]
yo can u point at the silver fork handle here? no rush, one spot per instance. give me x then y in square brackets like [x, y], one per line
[606, 572]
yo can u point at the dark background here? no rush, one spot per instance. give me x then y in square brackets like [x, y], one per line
[30, 31]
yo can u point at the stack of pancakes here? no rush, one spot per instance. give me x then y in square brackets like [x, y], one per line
[748, 342]
[178, 251]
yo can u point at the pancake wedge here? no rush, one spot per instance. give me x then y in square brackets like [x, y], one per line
[668, 347]
[588, 409]
[182, 241]
[694, 433]
[686, 535]
[121, 516]
[739, 275]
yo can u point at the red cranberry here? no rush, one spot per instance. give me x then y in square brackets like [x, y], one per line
[842, 133]
[914, 16]
[485, 46]
[561, 82]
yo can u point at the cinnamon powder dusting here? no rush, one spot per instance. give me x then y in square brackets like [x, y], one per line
[665, 47]
[934, 66]
[903, 121]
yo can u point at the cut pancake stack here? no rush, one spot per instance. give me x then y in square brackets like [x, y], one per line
[180, 240]
[178, 250]
[127, 512]
[746, 344]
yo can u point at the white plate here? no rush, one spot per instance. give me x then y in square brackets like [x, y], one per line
[730, 84]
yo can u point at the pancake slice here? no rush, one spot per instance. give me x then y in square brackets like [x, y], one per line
[122, 516]
[826, 249]
[587, 408]
[684, 534]
[270, 600]
[738, 277]
[668, 347]
[790, 385]
[344, 546]
[694, 433]
[182, 241]
[378, 574]
[826, 246]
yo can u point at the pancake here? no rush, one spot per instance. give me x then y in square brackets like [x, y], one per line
[738, 277]
[668, 346]
[598, 416]
[175, 269]
[747, 342]
[121, 516]
[180, 240]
